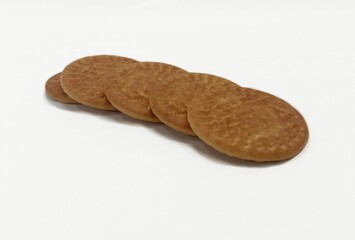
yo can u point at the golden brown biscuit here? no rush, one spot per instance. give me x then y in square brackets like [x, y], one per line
[169, 99]
[54, 90]
[84, 79]
[128, 89]
[248, 124]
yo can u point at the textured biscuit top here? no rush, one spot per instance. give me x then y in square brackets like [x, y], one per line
[248, 124]
[129, 89]
[83, 79]
[169, 99]
[54, 90]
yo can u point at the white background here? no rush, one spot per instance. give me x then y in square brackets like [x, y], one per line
[70, 172]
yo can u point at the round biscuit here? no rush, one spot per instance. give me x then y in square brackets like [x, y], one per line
[54, 90]
[169, 100]
[129, 89]
[248, 124]
[84, 79]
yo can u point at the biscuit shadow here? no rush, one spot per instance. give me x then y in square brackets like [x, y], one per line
[210, 153]
[222, 158]
[169, 133]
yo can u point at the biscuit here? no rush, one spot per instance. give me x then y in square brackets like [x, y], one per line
[128, 89]
[84, 79]
[169, 99]
[248, 124]
[54, 90]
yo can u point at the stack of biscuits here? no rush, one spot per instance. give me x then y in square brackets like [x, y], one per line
[241, 122]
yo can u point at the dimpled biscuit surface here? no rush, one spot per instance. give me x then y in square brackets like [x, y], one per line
[129, 89]
[248, 124]
[54, 90]
[169, 99]
[84, 79]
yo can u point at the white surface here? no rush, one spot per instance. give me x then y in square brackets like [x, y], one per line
[69, 172]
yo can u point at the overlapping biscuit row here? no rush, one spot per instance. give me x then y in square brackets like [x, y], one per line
[241, 122]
